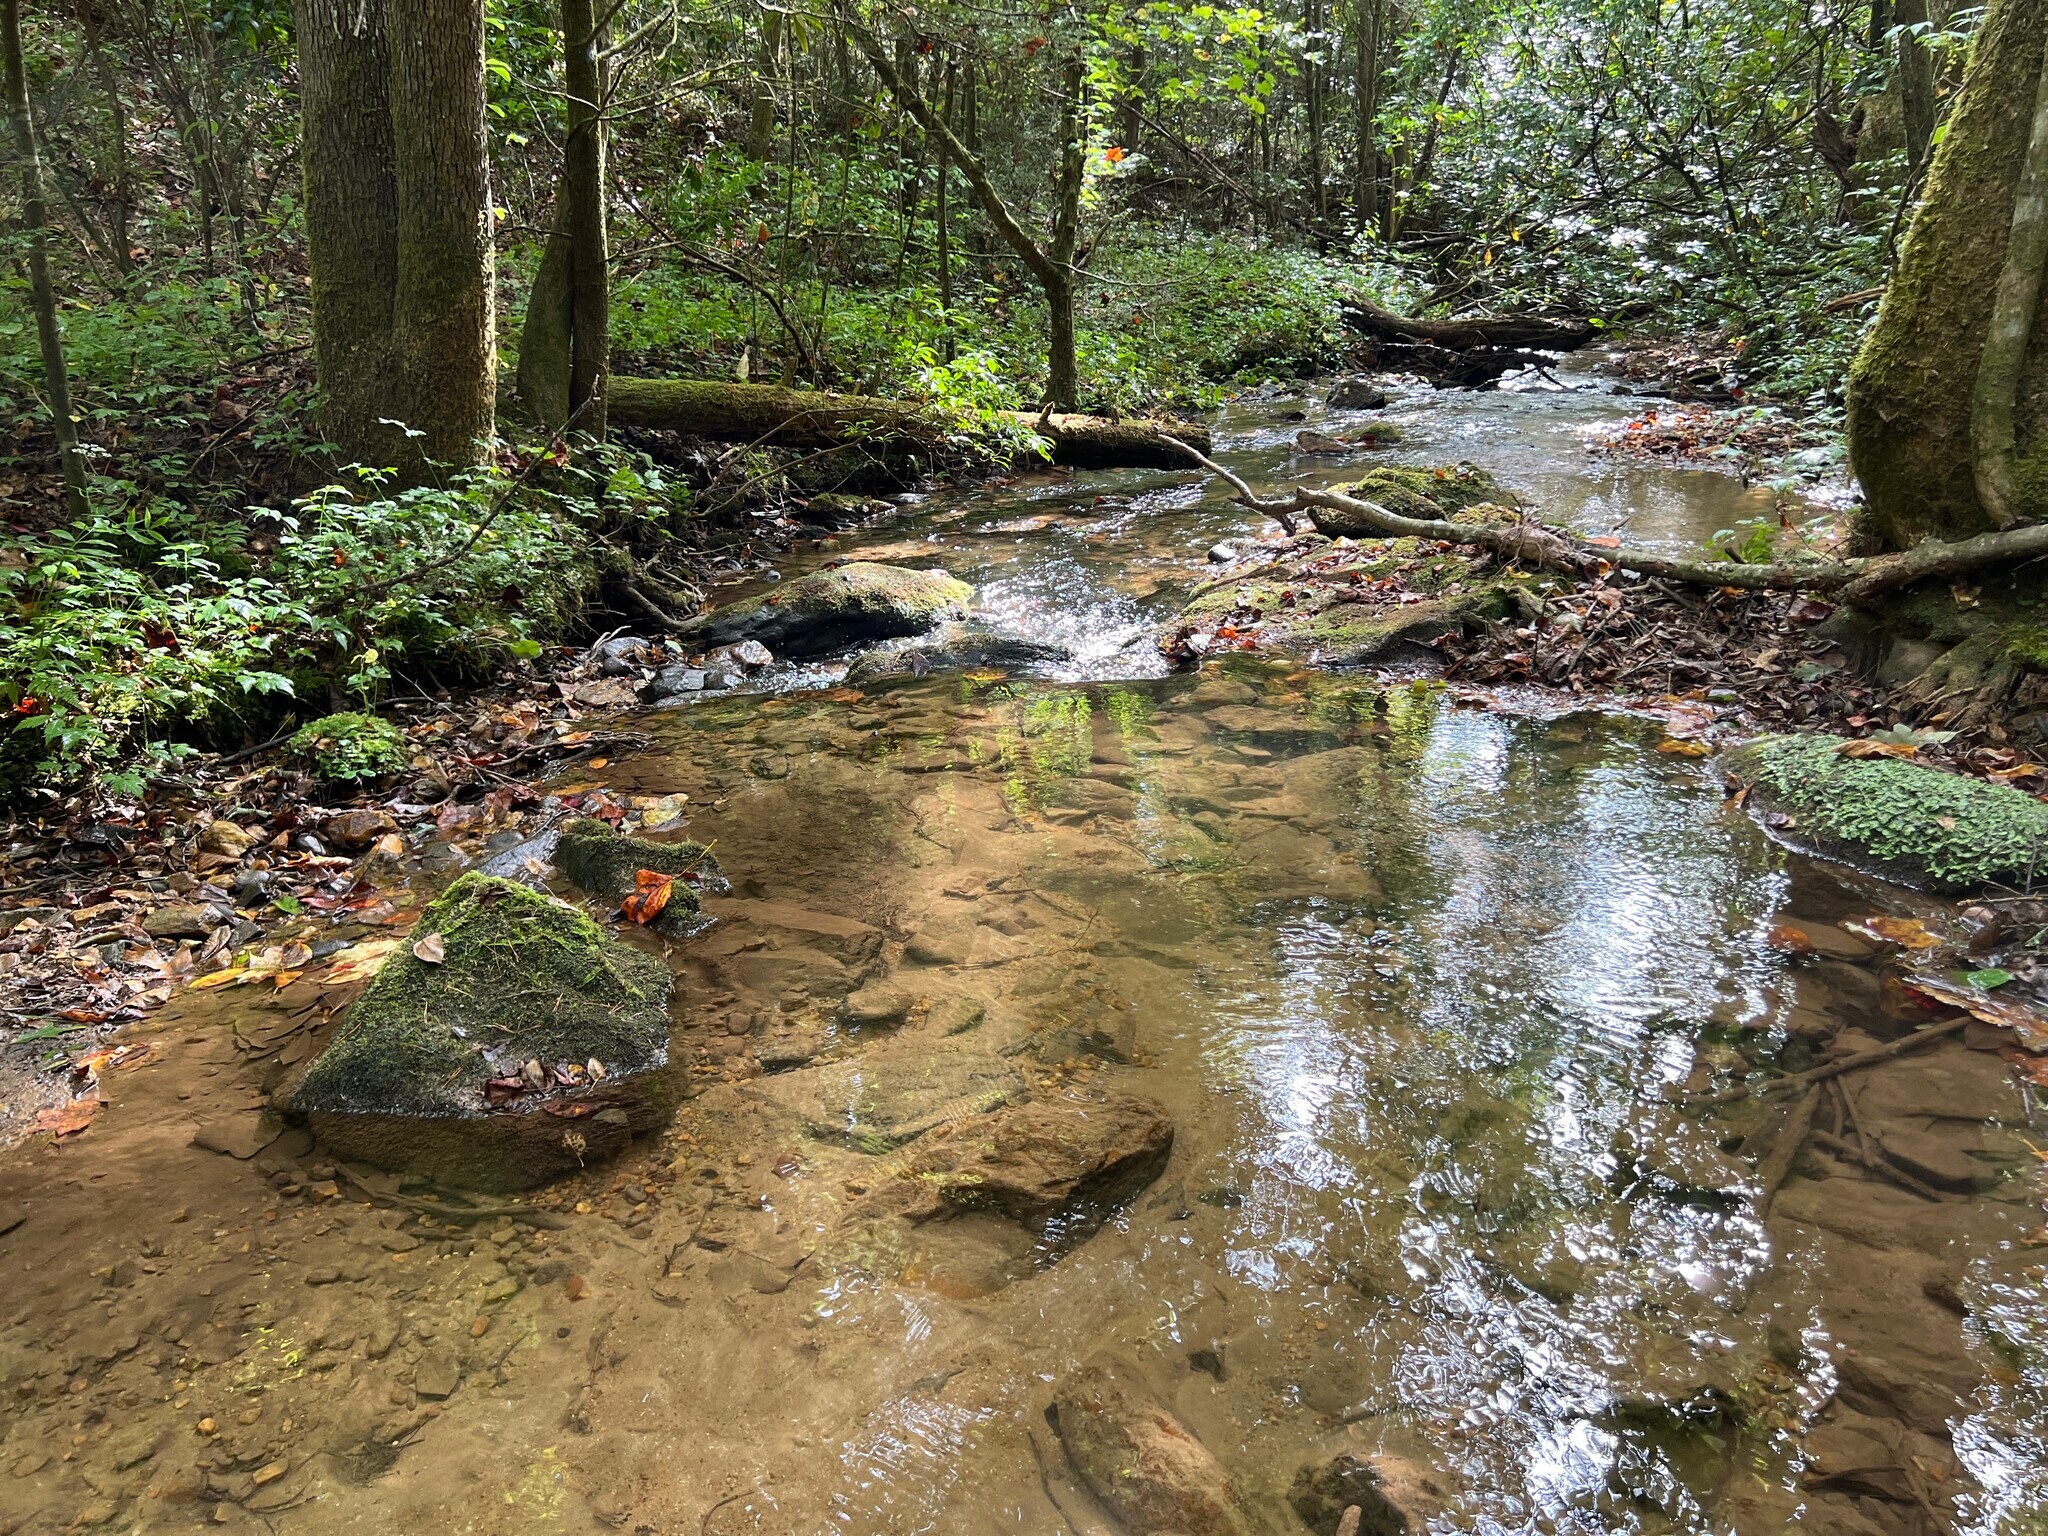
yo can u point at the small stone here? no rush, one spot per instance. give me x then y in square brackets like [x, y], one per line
[479, 1327]
[1222, 554]
[876, 1005]
[180, 920]
[1357, 394]
[436, 1376]
[671, 681]
[575, 1288]
[937, 949]
[268, 1473]
[223, 837]
[746, 656]
[358, 829]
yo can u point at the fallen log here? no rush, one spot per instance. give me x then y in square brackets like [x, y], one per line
[770, 416]
[1853, 581]
[1537, 332]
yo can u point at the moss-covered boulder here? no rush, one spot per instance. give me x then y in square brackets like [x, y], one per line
[607, 864]
[350, 748]
[1916, 824]
[1442, 493]
[830, 610]
[470, 1056]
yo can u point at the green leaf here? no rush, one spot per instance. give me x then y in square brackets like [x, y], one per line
[287, 904]
[524, 649]
[1987, 979]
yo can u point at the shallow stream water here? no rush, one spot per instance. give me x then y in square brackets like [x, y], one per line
[1420, 986]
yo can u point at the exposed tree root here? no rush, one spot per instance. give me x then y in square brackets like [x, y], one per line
[1854, 581]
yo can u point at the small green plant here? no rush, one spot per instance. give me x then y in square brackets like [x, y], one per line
[350, 748]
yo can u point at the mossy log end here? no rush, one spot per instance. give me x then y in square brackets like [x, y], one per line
[768, 415]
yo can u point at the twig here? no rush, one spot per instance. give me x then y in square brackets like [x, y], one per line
[1853, 1063]
[1777, 1164]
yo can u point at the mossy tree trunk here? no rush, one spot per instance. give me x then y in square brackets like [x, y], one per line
[351, 217]
[56, 376]
[1914, 386]
[443, 312]
[589, 239]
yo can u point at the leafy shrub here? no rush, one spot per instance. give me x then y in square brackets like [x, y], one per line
[349, 747]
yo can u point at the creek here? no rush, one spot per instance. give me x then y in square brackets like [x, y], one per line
[1420, 985]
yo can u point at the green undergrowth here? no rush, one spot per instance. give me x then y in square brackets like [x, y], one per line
[350, 747]
[1937, 829]
[521, 977]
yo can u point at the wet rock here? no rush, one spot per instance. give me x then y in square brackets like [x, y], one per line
[181, 920]
[357, 829]
[747, 656]
[607, 864]
[224, 838]
[1108, 1036]
[436, 1376]
[956, 1015]
[675, 681]
[620, 654]
[1035, 1160]
[527, 987]
[938, 948]
[1395, 1497]
[1222, 554]
[880, 1004]
[955, 648]
[838, 509]
[1912, 823]
[893, 1094]
[1141, 1461]
[1357, 394]
[1936, 1159]
[830, 610]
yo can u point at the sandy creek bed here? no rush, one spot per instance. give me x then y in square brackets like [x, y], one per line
[1417, 983]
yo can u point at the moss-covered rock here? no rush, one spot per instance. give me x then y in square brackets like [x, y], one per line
[1913, 823]
[607, 863]
[831, 610]
[520, 978]
[349, 748]
[1441, 493]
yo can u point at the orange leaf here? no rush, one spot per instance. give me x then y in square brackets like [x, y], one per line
[1685, 748]
[1113, 154]
[651, 891]
[68, 1119]
[1906, 932]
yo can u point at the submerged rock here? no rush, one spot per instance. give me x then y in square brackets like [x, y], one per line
[893, 1095]
[1140, 1460]
[1394, 1497]
[607, 863]
[434, 1069]
[1919, 825]
[955, 648]
[831, 610]
[1035, 1160]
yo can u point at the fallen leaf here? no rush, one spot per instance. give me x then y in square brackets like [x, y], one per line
[359, 962]
[1789, 940]
[68, 1119]
[1685, 748]
[1906, 932]
[651, 891]
[433, 949]
[223, 978]
[2028, 1024]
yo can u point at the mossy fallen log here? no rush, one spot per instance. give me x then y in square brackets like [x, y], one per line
[1480, 332]
[768, 415]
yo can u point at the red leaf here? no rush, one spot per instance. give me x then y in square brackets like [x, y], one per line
[651, 891]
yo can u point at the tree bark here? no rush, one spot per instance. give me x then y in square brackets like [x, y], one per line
[1460, 335]
[1993, 436]
[1916, 80]
[761, 112]
[34, 219]
[443, 307]
[351, 211]
[770, 416]
[584, 188]
[1913, 382]
[1366, 103]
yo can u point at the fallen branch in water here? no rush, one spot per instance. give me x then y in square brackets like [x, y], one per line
[1867, 1058]
[1854, 580]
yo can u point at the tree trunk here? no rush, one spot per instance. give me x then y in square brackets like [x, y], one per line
[761, 114]
[584, 189]
[545, 338]
[943, 222]
[119, 236]
[1367, 103]
[1916, 80]
[1913, 383]
[443, 307]
[351, 218]
[34, 218]
[769, 415]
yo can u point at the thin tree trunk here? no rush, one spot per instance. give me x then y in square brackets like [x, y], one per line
[1995, 402]
[119, 238]
[761, 114]
[584, 188]
[1367, 103]
[443, 331]
[943, 220]
[1916, 80]
[351, 217]
[35, 219]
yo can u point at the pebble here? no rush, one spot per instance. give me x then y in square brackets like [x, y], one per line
[268, 1473]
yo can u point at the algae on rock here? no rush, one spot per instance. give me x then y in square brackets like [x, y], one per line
[1442, 493]
[1917, 824]
[606, 863]
[522, 977]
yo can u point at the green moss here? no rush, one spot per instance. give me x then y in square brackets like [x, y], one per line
[1441, 493]
[349, 747]
[1931, 828]
[605, 863]
[522, 977]
[830, 610]
[2028, 647]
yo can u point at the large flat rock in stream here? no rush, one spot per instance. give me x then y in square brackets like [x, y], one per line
[893, 1094]
[1146, 1466]
[827, 611]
